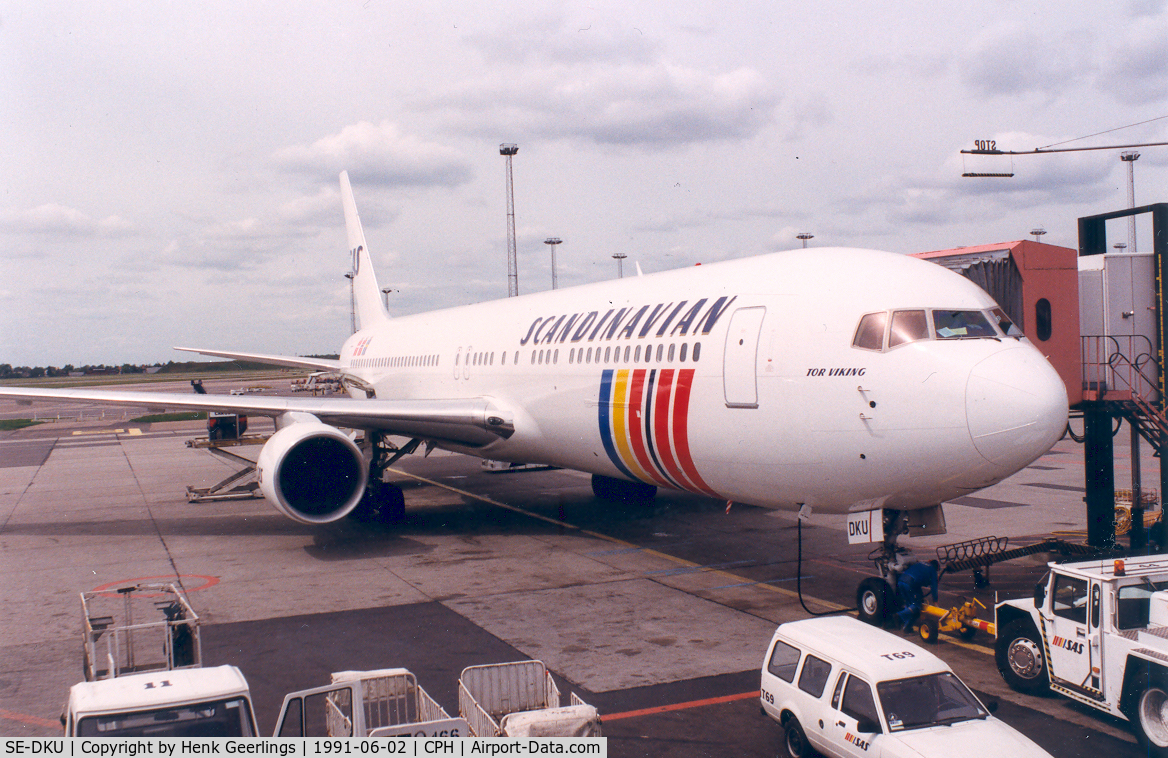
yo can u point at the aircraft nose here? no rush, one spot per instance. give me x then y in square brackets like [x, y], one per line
[1016, 407]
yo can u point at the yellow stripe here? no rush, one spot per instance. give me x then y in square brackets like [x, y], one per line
[620, 418]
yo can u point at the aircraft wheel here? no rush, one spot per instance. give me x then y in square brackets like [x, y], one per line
[872, 600]
[1151, 718]
[1020, 658]
[383, 503]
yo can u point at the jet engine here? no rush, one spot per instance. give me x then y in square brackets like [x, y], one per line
[312, 472]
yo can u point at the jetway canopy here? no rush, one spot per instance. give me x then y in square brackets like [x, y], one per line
[1037, 286]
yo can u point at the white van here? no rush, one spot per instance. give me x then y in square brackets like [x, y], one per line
[846, 688]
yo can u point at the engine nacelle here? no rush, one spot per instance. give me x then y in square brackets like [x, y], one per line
[312, 472]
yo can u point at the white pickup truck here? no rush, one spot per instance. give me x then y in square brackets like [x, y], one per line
[378, 703]
[845, 688]
[521, 699]
[1096, 632]
[142, 657]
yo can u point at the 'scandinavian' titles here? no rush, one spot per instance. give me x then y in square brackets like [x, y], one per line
[627, 323]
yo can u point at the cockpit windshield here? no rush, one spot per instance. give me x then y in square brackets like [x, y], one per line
[957, 325]
[884, 330]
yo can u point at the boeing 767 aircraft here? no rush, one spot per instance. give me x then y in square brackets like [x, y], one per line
[842, 380]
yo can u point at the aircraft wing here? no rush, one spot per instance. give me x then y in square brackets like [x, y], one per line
[317, 364]
[466, 421]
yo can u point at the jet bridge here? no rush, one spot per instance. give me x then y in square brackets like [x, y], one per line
[1100, 319]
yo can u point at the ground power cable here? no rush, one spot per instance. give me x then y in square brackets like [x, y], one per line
[799, 579]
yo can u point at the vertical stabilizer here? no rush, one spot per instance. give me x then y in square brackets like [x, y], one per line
[366, 293]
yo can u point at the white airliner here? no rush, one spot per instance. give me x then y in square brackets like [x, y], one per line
[840, 379]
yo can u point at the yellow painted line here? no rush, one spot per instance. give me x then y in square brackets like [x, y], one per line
[135, 432]
[99, 431]
[735, 578]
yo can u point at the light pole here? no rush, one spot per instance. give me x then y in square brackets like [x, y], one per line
[1130, 159]
[804, 236]
[508, 151]
[385, 291]
[552, 242]
[620, 264]
[1038, 231]
[352, 302]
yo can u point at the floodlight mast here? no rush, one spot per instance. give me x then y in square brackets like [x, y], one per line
[1130, 159]
[508, 150]
[620, 264]
[552, 242]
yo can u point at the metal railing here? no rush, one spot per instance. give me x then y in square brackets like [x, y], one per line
[1124, 363]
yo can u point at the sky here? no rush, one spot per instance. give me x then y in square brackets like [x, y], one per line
[168, 171]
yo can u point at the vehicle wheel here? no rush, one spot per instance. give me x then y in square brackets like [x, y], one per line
[1151, 718]
[1020, 658]
[929, 630]
[795, 744]
[872, 599]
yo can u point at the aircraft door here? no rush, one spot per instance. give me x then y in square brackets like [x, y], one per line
[740, 359]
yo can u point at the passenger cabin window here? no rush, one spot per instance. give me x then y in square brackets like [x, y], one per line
[784, 661]
[870, 333]
[814, 676]
[908, 326]
[962, 325]
[1070, 598]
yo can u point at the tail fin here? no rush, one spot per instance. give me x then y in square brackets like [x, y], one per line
[367, 294]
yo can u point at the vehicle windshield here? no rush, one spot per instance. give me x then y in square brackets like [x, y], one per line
[924, 701]
[223, 718]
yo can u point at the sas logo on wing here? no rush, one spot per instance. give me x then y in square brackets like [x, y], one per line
[1065, 644]
[862, 744]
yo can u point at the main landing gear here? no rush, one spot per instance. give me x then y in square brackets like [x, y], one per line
[383, 502]
[622, 490]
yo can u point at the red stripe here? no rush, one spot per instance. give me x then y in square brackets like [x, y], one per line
[681, 429]
[679, 706]
[23, 718]
[636, 426]
[661, 415]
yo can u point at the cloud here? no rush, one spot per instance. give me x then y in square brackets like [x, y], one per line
[56, 219]
[656, 104]
[1015, 60]
[1136, 72]
[377, 154]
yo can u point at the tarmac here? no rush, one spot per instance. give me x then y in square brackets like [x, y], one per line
[657, 615]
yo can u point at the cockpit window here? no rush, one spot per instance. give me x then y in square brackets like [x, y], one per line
[870, 333]
[885, 331]
[908, 326]
[1008, 327]
[962, 325]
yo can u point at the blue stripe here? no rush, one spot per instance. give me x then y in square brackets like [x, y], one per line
[605, 417]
